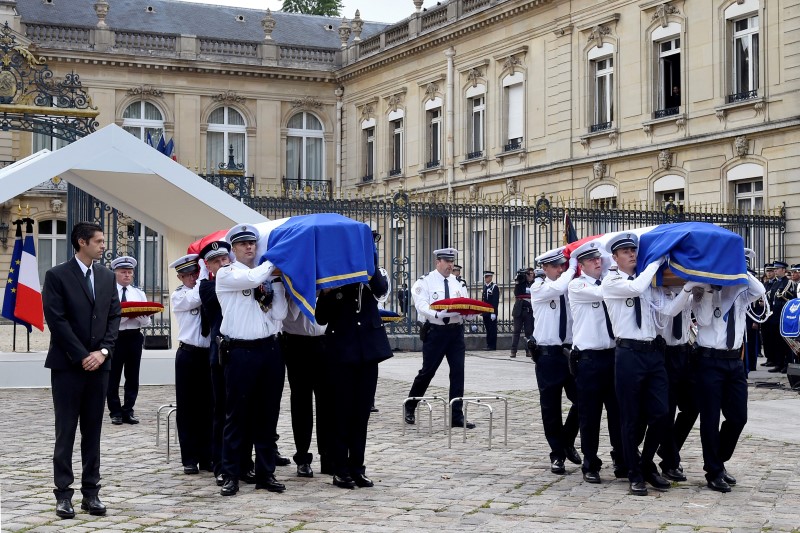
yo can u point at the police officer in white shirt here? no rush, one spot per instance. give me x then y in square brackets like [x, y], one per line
[445, 335]
[720, 375]
[641, 379]
[128, 350]
[193, 390]
[254, 372]
[552, 329]
[592, 361]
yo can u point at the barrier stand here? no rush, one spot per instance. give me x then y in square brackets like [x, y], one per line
[169, 415]
[427, 400]
[479, 400]
[158, 422]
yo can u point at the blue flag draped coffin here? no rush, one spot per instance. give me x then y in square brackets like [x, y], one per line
[790, 324]
[315, 252]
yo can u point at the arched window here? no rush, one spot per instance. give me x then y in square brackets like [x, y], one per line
[745, 55]
[397, 148]
[52, 245]
[601, 61]
[513, 111]
[143, 119]
[667, 42]
[670, 188]
[226, 128]
[304, 148]
[476, 120]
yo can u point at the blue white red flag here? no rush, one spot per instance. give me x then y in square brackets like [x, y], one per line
[28, 306]
[10, 297]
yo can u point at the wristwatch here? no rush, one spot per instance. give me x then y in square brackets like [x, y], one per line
[104, 351]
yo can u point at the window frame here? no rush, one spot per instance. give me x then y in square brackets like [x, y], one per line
[396, 147]
[476, 122]
[368, 146]
[513, 82]
[144, 124]
[304, 134]
[226, 129]
[434, 120]
[753, 55]
[54, 239]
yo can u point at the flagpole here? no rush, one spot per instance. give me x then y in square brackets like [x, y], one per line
[14, 339]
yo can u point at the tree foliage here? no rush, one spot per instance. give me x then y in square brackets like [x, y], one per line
[328, 8]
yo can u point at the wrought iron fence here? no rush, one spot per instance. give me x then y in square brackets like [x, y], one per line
[503, 235]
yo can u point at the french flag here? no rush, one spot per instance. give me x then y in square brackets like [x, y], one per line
[28, 307]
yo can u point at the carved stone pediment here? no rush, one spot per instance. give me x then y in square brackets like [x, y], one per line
[665, 159]
[598, 32]
[146, 90]
[228, 96]
[599, 170]
[741, 146]
[474, 76]
[663, 12]
[308, 102]
[431, 90]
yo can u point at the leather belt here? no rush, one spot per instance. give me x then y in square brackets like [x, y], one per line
[678, 349]
[556, 349]
[190, 347]
[588, 354]
[446, 326]
[633, 344]
[254, 343]
[720, 354]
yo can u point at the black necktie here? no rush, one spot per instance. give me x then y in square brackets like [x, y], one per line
[446, 320]
[205, 323]
[562, 318]
[731, 328]
[637, 308]
[124, 294]
[608, 318]
[677, 326]
[89, 282]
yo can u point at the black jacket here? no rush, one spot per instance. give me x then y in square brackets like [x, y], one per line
[521, 305]
[213, 313]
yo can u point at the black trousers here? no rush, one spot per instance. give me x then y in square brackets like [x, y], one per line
[78, 398]
[640, 379]
[753, 343]
[351, 401]
[128, 358]
[681, 398]
[553, 377]
[491, 331]
[218, 425]
[442, 341]
[522, 323]
[254, 379]
[595, 384]
[194, 395]
[721, 387]
[309, 385]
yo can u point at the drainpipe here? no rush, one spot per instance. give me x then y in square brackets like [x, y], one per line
[339, 92]
[449, 126]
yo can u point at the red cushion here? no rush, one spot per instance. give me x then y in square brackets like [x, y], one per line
[464, 306]
[134, 309]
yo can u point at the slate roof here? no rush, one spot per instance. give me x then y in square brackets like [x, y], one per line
[174, 17]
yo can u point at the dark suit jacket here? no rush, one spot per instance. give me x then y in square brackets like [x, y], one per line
[354, 336]
[78, 322]
[213, 312]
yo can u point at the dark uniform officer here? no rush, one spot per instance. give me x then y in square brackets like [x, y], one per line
[592, 361]
[445, 337]
[777, 350]
[767, 341]
[355, 342]
[457, 274]
[255, 372]
[491, 295]
[641, 378]
[720, 376]
[522, 313]
[552, 329]
[193, 390]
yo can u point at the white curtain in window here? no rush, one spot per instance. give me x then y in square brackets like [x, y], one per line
[314, 159]
[216, 149]
[515, 111]
[294, 157]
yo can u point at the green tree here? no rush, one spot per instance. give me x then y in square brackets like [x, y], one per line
[328, 8]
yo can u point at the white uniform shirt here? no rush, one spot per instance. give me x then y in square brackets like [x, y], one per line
[619, 294]
[296, 323]
[242, 317]
[132, 294]
[428, 289]
[676, 301]
[186, 306]
[546, 303]
[712, 330]
[589, 331]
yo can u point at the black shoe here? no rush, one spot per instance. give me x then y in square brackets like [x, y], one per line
[374, 409]
[362, 481]
[638, 488]
[304, 470]
[220, 479]
[461, 424]
[410, 418]
[785, 369]
[557, 466]
[513, 354]
[769, 363]
[719, 484]
[271, 484]
[116, 420]
[93, 505]
[249, 477]
[344, 482]
[658, 482]
[281, 460]
[230, 487]
[673, 474]
[190, 469]
[130, 419]
[64, 508]
[573, 455]
[591, 477]
[729, 479]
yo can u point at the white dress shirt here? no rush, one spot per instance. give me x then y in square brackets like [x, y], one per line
[297, 323]
[619, 294]
[589, 331]
[712, 330]
[242, 317]
[430, 288]
[546, 304]
[132, 294]
[675, 301]
[186, 306]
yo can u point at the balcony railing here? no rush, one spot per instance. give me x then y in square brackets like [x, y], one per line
[513, 144]
[395, 172]
[668, 112]
[599, 127]
[316, 188]
[740, 97]
[475, 155]
[432, 164]
[366, 179]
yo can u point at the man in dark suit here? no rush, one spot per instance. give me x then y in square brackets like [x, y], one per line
[82, 310]
[491, 295]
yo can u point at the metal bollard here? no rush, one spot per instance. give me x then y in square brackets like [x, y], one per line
[427, 400]
[480, 400]
[169, 415]
[158, 421]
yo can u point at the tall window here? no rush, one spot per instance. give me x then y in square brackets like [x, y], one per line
[750, 195]
[304, 148]
[603, 93]
[52, 245]
[226, 128]
[42, 141]
[478, 255]
[433, 122]
[396, 136]
[669, 77]
[476, 120]
[368, 133]
[514, 112]
[517, 247]
[745, 57]
[143, 120]
[670, 188]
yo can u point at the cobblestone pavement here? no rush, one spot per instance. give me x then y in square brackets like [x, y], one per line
[420, 484]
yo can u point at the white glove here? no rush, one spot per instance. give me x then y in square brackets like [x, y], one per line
[573, 263]
[447, 314]
[203, 270]
[661, 260]
[473, 328]
[494, 317]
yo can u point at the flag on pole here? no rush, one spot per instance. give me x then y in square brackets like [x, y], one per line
[28, 307]
[162, 145]
[168, 149]
[149, 140]
[570, 235]
[10, 298]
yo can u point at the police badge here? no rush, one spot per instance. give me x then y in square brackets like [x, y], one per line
[247, 292]
[595, 305]
[552, 304]
[435, 296]
[717, 312]
[629, 302]
[195, 311]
